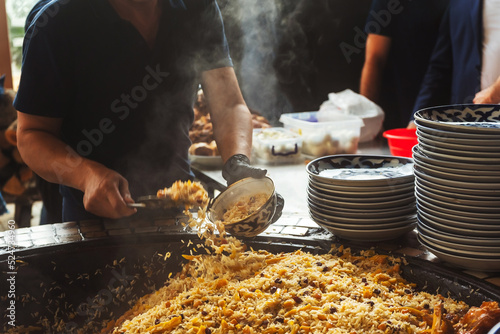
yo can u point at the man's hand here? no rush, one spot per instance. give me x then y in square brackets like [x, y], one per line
[106, 194]
[411, 125]
[487, 96]
[238, 167]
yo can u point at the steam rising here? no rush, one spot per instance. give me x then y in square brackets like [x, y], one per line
[287, 52]
[253, 32]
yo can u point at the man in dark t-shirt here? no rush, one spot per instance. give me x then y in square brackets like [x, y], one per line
[106, 95]
[401, 37]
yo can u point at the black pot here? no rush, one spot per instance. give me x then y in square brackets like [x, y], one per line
[86, 283]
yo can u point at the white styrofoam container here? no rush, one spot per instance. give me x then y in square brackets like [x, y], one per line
[324, 138]
[276, 145]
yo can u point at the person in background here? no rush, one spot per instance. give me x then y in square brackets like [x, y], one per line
[7, 116]
[106, 98]
[401, 37]
[464, 67]
[311, 58]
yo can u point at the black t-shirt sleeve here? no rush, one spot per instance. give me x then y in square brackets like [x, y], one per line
[214, 49]
[380, 20]
[46, 86]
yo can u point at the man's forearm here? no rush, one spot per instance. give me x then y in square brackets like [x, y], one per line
[233, 132]
[52, 159]
[376, 55]
[371, 81]
[231, 117]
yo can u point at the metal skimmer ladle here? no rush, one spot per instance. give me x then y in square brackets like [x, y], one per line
[153, 202]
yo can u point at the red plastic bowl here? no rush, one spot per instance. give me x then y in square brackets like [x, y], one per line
[401, 141]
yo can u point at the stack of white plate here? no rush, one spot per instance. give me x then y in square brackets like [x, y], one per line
[457, 184]
[362, 197]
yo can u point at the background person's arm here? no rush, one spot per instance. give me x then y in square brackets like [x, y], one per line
[105, 191]
[489, 95]
[376, 55]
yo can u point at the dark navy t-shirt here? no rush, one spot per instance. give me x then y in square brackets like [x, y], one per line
[123, 104]
[413, 28]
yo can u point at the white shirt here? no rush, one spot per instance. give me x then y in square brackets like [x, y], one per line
[491, 43]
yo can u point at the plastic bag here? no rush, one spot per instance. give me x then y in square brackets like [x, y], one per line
[349, 102]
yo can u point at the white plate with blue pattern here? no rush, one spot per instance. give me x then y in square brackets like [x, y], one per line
[456, 176]
[453, 245]
[487, 161]
[454, 216]
[328, 196]
[333, 215]
[461, 137]
[430, 164]
[466, 262]
[365, 205]
[469, 168]
[364, 224]
[426, 146]
[483, 145]
[451, 198]
[425, 213]
[361, 190]
[361, 170]
[466, 118]
[374, 235]
[458, 239]
[479, 188]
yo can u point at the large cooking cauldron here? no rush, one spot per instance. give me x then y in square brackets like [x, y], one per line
[85, 283]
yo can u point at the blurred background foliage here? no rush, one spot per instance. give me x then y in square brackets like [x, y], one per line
[17, 10]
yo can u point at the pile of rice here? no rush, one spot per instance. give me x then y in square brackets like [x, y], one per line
[239, 291]
[235, 290]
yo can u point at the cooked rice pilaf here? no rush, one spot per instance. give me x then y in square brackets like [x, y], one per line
[261, 292]
[235, 290]
[188, 193]
[244, 207]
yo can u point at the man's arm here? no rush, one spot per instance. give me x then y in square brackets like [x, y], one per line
[230, 116]
[106, 192]
[376, 55]
[489, 95]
